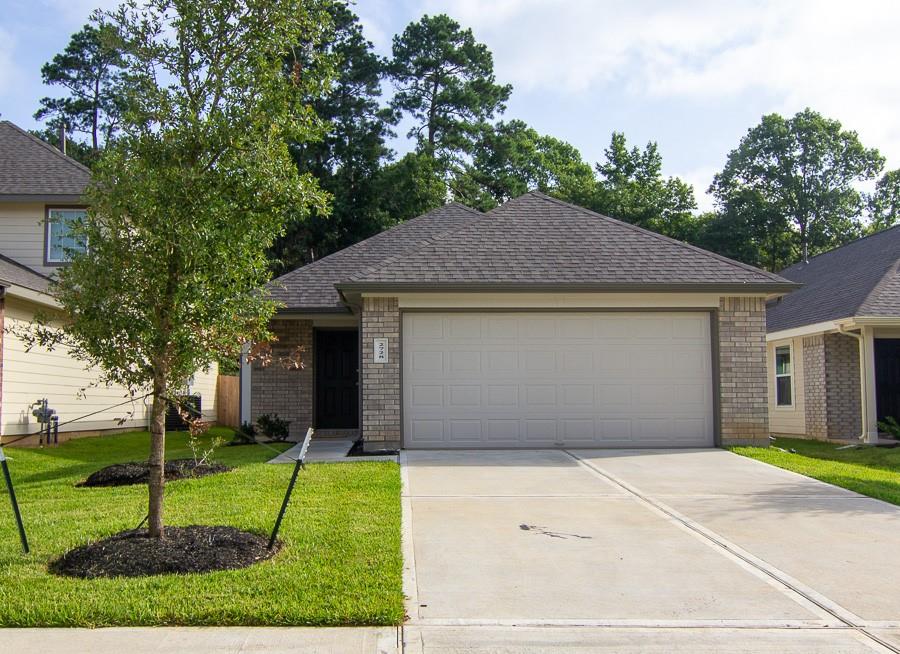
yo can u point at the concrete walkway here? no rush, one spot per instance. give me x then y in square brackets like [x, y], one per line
[617, 551]
[327, 450]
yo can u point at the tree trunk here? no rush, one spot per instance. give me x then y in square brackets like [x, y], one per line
[157, 458]
[804, 241]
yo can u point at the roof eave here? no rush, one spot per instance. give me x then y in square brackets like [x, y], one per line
[288, 310]
[48, 198]
[767, 288]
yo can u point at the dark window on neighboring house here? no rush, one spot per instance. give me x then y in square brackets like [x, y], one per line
[60, 241]
[784, 376]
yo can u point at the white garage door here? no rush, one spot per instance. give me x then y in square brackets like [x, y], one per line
[588, 379]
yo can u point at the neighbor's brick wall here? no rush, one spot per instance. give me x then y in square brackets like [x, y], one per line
[743, 406]
[842, 388]
[815, 403]
[283, 390]
[380, 381]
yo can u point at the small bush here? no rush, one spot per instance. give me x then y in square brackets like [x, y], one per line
[245, 434]
[277, 429]
[890, 426]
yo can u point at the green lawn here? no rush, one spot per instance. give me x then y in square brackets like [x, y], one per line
[872, 471]
[340, 563]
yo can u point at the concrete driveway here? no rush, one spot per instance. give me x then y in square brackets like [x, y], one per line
[693, 550]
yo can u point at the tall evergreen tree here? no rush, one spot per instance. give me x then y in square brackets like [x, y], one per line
[445, 80]
[347, 161]
[90, 69]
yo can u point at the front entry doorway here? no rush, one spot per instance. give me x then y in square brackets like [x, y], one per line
[337, 378]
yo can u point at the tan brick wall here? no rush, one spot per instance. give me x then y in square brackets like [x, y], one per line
[286, 391]
[842, 388]
[380, 381]
[743, 406]
[816, 406]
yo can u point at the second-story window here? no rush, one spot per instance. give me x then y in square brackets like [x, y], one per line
[60, 241]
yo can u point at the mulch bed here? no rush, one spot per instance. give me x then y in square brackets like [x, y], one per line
[138, 472]
[357, 450]
[184, 550]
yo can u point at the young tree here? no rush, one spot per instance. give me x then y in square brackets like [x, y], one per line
[632, 188]
[511, 158]
[90, 70]
[347, 160]
[445, 79]
[803, 168]
[185, 202]
[884, 203]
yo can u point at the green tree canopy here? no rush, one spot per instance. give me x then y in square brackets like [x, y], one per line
[90, 70]
[632, 188]
[186, 201]
[511, 158]
[409, 187]
[347, 161]
[445, 80]
[884, 203]
[803, 168]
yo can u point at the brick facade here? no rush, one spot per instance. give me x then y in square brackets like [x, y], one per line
[284, 390]
[743, 406]
[380, 381]
[831, 386]
[815, 403]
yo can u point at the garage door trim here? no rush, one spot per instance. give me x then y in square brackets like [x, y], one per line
[713, 349]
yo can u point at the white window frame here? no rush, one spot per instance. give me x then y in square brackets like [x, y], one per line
[790, 347]
[48, 261]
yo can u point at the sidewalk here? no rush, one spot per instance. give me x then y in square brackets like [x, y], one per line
[203, 640]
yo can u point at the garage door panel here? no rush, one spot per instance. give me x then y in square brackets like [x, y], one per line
[569, 379]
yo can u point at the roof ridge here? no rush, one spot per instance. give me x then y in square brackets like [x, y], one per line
[641, 230]
[358, 244]
[421, 244]
[47, 146]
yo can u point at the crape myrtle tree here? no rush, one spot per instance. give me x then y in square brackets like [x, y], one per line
[186, 201]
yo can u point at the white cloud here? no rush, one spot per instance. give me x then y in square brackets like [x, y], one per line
[834, 56]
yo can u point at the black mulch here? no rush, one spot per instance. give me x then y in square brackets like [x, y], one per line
[184, 550]
[357, 450]
[138, 472]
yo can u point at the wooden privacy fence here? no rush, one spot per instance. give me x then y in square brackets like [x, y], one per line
[228, 401]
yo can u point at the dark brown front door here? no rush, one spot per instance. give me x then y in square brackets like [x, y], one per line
[887, 377]
[337, 372]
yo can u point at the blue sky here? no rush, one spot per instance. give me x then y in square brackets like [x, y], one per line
[693, 76]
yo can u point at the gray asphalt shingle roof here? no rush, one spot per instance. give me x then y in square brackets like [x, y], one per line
[536, 239]
[312, 286]
[531, 240]
[14, 273]
[29, 166]
[857, 279]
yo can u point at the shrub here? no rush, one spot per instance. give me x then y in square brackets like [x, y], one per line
[890, 426]
[277, 429]
[245, 434]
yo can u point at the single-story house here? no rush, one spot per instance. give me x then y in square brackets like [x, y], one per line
[536, 324]
[40, 191]
[834, 345]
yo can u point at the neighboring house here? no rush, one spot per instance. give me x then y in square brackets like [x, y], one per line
[834, 345]
[537, 324]
[40, 191]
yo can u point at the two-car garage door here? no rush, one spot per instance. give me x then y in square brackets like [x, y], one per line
[540, 379]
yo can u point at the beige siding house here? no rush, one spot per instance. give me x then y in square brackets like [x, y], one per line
[834, 344]
[537, 324]
[39, 189]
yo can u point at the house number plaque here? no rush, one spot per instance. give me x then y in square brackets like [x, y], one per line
[381, 350]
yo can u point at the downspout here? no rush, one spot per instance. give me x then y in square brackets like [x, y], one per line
[864, 408]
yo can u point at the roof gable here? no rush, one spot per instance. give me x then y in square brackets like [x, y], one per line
[538, 240]
[857, 279]
[29, 166]
[312, 287]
